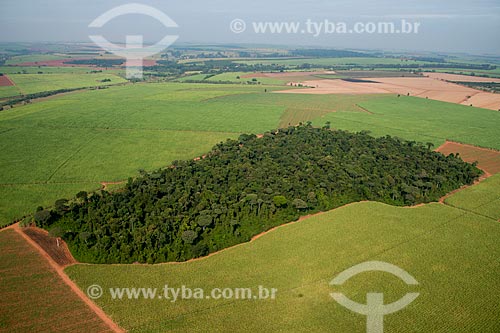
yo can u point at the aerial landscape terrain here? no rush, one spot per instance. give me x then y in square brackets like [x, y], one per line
[231, 185]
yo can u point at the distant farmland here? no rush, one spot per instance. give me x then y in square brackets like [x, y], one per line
[58, 147]
[33, 83]
[78, 141]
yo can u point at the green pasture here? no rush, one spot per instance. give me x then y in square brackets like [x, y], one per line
[483, 200]
[33, 58]
[9, 91]
[235, 77]
[34, 83]
[421, 120]
[333, 61]
[45, 70]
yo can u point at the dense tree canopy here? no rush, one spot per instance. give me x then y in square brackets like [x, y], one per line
[246, 186]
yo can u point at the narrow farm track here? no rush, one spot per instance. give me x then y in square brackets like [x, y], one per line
[106, 184]
[56, 249]
[364, 109]
[75, 153]
[60, 271]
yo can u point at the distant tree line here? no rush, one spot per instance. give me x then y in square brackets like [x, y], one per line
[325, 53]
[27, 98]
[493, 87]
[96, 62]
[165, 68]
[406, 66]
[213, 67]
[247, 186]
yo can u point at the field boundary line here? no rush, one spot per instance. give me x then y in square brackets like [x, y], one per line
[467, 97]
[471, 211]
[6, 130]
[83, 145]
[96, 309]
[49, 183]
[424, 233]
[229, 302]
[364, 109]
[374, 255]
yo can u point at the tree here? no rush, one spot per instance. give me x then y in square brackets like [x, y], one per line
[57, 233]
[279, 201]
[189, 236]
[82, 196]
[85, 236]
[311, 197]
[246, 186]
[42, 217]
[60, 206]
[299, 204]
[205, 221]
[200, 250]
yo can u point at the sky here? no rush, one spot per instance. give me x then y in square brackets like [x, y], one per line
[445, 25]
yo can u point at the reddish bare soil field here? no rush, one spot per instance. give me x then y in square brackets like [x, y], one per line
[60, 254]
[5, 81]
[488, 159]
[145, 63]
[33, 297]
[424, 87]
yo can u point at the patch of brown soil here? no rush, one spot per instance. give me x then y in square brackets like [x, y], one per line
[106, 184]
[145, 63]
[5, 81]
[424, 87]
[484, 100]
[60, 271]
[488, 159]
[60, 254]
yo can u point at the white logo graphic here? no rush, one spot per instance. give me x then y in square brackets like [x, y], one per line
[94, 291]
[238, 26]
[374, 309]
[134, 51]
